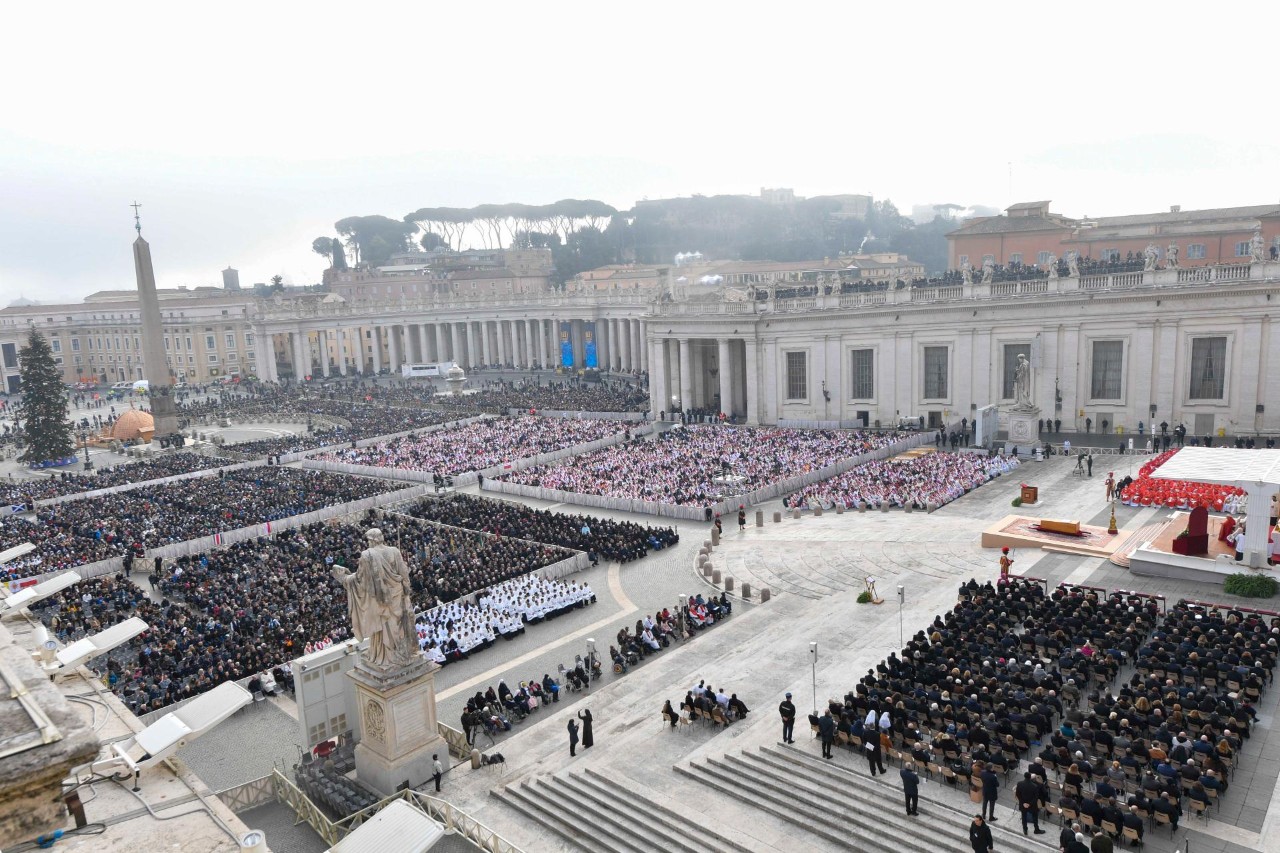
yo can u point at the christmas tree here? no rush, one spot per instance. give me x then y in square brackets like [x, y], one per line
[44, 404]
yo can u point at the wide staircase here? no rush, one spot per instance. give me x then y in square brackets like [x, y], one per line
[833, 807]
[596, 814]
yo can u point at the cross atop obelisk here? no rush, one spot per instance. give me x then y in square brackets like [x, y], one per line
[137, 220]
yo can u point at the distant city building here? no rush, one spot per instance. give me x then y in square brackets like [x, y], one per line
[1029, 232]
[782, 195]
[230, 279]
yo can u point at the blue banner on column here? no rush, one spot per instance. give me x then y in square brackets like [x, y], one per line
[566, 345]
[589, 359]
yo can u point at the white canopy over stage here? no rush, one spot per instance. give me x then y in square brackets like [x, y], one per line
[1255, 471]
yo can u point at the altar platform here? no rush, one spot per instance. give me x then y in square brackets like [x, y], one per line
[1020, 531]
[1156, 556]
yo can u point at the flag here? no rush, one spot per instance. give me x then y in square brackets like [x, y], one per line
[268, 527]
[217, 539]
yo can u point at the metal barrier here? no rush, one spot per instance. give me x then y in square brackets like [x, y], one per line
[1218, 606]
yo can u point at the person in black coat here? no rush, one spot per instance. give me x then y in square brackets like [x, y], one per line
[980, 836]
[587, 740]
[1028, 794]
[827, 732]
[573, 737]
[911, 788]
[990, 792]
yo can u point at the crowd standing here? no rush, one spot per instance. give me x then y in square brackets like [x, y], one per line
[919, 481]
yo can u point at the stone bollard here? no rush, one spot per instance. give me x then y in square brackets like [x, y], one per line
[795, 514]
[715, 537]
[777, 518]
[909, 507]
[930, 507]
[704, 550]
[862, 506]
[765, 595]
[884, 507]
[839, 509]
[759, 518]
[706, 543]
[817, 511]
[746, 592]
[707, 569]
[702, 558]
[475, 759]
[715, 577]
[728, 583]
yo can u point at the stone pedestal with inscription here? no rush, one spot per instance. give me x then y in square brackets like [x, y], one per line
[397, 726]
[1024, 429]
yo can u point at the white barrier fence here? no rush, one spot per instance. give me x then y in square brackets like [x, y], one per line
[729, 505]
[794, 423]
[286, 458]
[469, 477]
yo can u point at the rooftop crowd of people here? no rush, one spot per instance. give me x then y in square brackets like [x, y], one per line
[679, 466]
[613, 540]
[90, 529]
[478, 445]
[933, 478]
[251, 607]
[57, 485]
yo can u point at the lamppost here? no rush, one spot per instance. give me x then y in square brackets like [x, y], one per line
[84, 442]
[591, 657]
[813, 660]
[902, 597]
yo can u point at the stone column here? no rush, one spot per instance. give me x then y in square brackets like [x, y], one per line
[455, 341]
[625, 351]
[393, 349]
[638, 359]
[642, 332]
[485, 347]
[322, 341]
[340, 340]
[686, 375]
[377, 350]
[422, 342]
[726, 373]
[502, 343]
[659, 397]
[753, 382]
[542, 344]
[471, 345]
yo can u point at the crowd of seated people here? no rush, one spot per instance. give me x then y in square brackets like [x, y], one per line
[15, 492]
[704, 702]
[678, 467]
[934, 478]
[478, 445]
[613, 540]
[653, 634]
[498, 396]
[454, 630]
[150, 516]
[252, 607]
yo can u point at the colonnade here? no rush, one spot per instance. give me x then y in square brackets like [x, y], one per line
[711, 374]
[614, 344]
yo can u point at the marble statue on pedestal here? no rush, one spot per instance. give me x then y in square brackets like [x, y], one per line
[1257, 250]
[988, 271]
[966, 272]
[1022, 384]
[1073, 265]
[1149, 257]
[1052, 265]
[1171, 256]
[378, 596]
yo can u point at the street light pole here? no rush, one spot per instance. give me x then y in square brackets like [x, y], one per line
[813, 660]
[84, 442]
[901, 599]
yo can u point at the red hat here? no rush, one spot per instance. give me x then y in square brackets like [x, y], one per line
[1005, 549]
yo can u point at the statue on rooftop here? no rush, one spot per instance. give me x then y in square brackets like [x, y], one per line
[1171, 256]
[988, 270]
[1257, 250]
[966, 271]
[1052, 264]
[1149, 257]
[1073, 264]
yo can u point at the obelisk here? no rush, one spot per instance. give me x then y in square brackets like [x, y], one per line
[155, 366]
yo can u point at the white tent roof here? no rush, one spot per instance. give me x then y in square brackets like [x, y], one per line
[398, 828]
[1226, 465]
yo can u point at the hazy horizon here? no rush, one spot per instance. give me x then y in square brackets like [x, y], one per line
[244, 136]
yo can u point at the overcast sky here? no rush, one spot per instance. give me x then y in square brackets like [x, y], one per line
[246, 130]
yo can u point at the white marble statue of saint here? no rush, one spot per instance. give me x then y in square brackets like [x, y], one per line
[378, 597]
[988, 271]
[1171, 256]
[1022, 383]
[1257, 250]
[1149, 257]
[1052, 265]
[1073, 265]
[966, 272]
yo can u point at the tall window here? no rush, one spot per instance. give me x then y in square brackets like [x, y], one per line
[935, 373]
[797, 376]
[1208, 368]
[1042, 258]
[1108, 367]
[1242, 249]
[862, 369]
[1010, 375]
[1015, 258]
[962, 260]
[1195, 251]
[209, 343]
[231, 341]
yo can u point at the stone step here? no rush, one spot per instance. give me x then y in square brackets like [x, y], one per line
[669, 818]
[626, 815]
[566, 828]
[803, 815]
[604, 827]
[852, 812]
[940, 813]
